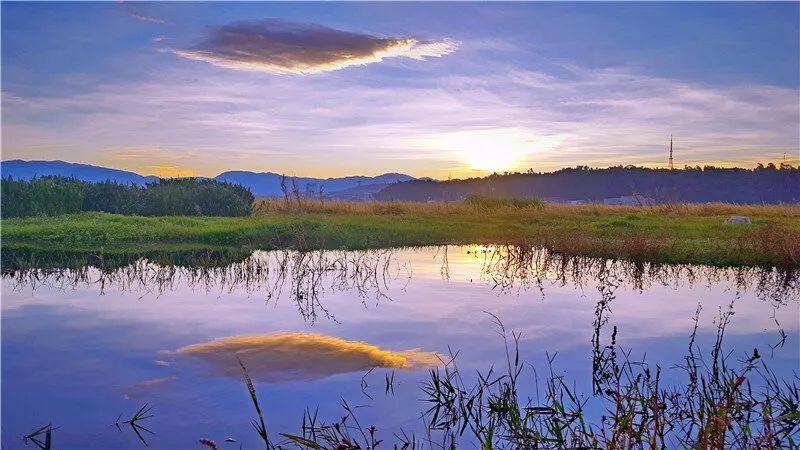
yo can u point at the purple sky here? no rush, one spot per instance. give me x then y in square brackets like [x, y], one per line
[427, 89]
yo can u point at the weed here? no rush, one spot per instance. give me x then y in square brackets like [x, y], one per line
[141, 414]
[36, 437]
[259, 425]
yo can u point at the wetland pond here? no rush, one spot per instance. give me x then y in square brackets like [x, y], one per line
[86, 344]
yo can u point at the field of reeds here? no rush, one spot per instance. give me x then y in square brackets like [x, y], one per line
[672, 233]
[719, 405]
[476, 204]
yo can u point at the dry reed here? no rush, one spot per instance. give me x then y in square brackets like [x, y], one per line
[271, 206]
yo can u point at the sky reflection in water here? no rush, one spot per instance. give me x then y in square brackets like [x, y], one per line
[79, 348]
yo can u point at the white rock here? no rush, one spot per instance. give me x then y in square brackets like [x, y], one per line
[738, 219]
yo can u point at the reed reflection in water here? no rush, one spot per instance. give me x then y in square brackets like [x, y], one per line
[304, 277]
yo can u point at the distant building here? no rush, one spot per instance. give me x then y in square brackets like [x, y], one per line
[352, 195]
[629, 200]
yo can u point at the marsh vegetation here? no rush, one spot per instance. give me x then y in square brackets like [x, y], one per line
[720, 404]
[674, 233]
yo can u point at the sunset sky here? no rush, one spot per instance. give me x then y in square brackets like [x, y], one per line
[426, 89]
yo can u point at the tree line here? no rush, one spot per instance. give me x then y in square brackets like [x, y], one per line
[763, 184]
[55, 195]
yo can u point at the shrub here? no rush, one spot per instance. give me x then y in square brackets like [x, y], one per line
[52, 196]
[45, 196]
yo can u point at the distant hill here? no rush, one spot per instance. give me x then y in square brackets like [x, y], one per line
[265, 184]
[764, 184]
[268, 184]
[25, 170]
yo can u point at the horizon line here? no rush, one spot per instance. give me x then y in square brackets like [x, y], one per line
[791, 162]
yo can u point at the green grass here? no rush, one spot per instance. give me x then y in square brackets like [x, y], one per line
[628, 233]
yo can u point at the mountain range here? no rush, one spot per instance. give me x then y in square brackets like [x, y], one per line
[25, 170]
[268, 184]
[264, 184]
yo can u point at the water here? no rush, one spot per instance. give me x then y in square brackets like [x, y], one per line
[81, 346]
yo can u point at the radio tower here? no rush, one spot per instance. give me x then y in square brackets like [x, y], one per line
[671, 167]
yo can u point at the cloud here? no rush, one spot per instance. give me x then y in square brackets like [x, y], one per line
[277, 46]
[301, 356]
[145, 18]
[146, 387]
[227, 120]
[129, 9]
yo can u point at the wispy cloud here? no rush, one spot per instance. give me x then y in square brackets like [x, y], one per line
[301, 356]
[146, 387]
[145, 18]
[428, 127]
[277, 46]
[132, 11]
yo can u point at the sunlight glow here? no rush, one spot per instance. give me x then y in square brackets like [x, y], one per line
[172, 171]
[495, 149]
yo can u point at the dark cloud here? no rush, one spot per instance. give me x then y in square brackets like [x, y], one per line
[278, 46]
[301, 356]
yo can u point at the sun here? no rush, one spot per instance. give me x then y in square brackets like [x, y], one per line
[491, 159]
[495, 149]
[488, 149]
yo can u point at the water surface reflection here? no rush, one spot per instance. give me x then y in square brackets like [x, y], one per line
[320, 326]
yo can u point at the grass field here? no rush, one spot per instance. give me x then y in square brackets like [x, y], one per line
[678, 233]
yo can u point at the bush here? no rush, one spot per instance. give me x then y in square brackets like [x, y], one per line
[482, 201]
[52, 196]
[47, 196]
[195, 197]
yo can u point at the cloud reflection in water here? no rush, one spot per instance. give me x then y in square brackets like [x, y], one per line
[301, 356]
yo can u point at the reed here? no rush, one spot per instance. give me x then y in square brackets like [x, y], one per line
[41, 437]
[143, 413]
[719, 406]
[532, 206]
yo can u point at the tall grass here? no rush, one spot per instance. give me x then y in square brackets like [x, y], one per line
[473, 204]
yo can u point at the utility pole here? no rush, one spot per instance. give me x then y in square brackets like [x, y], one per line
[671, 166]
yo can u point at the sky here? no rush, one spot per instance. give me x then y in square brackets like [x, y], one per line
[428, 89]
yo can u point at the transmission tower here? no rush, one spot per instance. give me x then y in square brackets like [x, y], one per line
[671, 166]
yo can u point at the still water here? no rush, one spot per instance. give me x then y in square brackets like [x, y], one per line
[82, 346]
